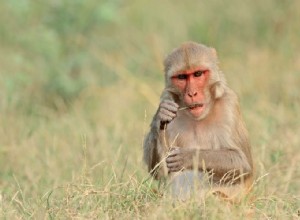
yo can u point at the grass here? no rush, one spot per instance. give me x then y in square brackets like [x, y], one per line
[80, 81]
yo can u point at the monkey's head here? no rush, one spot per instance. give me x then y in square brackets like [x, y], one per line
[193, 78]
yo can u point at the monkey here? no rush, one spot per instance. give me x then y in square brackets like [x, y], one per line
[198, 127]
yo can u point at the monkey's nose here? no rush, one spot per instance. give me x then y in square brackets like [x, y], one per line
[192, 94]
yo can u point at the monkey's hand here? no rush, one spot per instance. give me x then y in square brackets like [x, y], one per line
[167, 112]
[180, 159]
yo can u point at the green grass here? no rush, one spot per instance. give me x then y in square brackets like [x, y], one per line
[80, 82]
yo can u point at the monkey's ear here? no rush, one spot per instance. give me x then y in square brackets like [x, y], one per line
[214, 52]
[218, 89]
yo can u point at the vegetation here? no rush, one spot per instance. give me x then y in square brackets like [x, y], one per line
[80, 81]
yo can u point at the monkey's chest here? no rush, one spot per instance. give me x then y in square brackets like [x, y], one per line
[184, 135]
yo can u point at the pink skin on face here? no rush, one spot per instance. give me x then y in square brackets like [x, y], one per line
[191, 83]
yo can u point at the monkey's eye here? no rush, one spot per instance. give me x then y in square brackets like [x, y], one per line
[198, 73]
[182, 76]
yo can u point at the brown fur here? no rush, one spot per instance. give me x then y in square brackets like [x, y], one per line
[218, 140]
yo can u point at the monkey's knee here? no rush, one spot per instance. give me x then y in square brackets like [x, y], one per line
[186, 184]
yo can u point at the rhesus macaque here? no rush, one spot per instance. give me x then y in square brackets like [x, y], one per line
[198, 127]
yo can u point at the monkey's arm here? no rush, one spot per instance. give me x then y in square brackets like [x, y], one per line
[153, 149]
[223, 161]
[151, 155]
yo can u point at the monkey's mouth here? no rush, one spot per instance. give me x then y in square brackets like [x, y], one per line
[196, 109]
[194, 106]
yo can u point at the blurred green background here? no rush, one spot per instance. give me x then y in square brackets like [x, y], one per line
[80, 82]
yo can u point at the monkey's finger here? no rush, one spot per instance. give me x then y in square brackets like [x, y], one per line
[174, 151]
[171, 103]
[165, 115]
[175, 169]
[173, 148]
[170, 107]
[173, 158]
[174, 165]
[167, 112]
[165, 118]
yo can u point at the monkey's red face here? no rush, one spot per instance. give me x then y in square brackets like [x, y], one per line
[191, 83]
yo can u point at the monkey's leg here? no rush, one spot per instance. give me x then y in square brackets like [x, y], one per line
[185, 184]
